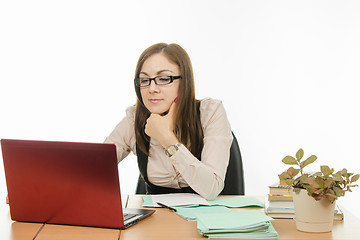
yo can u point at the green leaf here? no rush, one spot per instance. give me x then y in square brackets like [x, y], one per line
[310, 189]
[338, 178]
[328, 182]
[342, 172]
[330, 191]
[289, 160]
[317, 174]
[284, 175]
[293, 172]
[320, 182]
[299, 154]
[289, 181]
[312, 183]
[325, 170]
[296, 172]
[303, 178]
[330, 197]
[338, 191]
[355, 178]
[290, 171]
[309, 160]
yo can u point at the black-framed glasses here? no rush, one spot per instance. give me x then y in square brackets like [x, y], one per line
[159, 80]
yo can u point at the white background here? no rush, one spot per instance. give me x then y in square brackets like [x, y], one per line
[286, 71]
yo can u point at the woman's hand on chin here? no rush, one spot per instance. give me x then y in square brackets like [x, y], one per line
[161, 128]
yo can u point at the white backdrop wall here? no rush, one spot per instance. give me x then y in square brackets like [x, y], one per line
[286, 71]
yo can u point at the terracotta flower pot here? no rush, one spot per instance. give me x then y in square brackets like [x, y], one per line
[312, 215]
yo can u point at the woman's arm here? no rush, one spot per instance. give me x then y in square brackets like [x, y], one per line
[207, 176]
[123, 136]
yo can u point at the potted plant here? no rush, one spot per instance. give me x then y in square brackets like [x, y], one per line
[314, 194]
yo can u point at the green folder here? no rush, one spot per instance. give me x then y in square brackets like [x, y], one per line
[232, 202]
[233, 219]
[268, 233]
[189, 213]
[236, 202]
[252, 224]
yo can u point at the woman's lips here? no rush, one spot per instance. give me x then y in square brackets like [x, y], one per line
[155, 100]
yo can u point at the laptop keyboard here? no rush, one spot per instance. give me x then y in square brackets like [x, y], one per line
[127, 216]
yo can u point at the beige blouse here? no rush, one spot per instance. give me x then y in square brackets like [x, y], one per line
[206, 177]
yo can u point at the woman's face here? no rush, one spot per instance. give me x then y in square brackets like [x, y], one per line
[158, 98]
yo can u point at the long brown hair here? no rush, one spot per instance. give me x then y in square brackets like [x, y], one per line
[187, 125]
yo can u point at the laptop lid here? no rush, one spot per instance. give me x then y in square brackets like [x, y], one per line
[63, 183]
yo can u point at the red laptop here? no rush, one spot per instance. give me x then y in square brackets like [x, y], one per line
[65, 183]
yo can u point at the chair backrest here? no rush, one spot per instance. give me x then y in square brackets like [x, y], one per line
[234, 179]
[140, 188]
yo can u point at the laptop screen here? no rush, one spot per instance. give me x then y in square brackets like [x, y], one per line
[63, 182]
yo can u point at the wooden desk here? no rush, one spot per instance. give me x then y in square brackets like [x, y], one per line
[163, 224]
[10, 230]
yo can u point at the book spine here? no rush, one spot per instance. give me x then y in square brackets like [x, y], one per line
[280, 197]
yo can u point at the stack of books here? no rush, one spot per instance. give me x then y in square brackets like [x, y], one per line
[279, 203]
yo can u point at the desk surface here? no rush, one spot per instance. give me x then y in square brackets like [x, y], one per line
[163, 224]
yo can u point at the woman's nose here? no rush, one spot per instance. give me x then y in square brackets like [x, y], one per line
[153, 87]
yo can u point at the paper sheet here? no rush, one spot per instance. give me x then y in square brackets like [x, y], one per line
[179, 199]
[189, 199]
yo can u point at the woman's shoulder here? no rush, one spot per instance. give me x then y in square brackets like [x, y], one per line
[213, 116]
[210, 104]
[130, 112]
[211, 108]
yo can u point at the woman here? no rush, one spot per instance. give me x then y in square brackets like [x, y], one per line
[182, 144]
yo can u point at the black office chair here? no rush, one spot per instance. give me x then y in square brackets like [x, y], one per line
[140, 188]
[234, 179]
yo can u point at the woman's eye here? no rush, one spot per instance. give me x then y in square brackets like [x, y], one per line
[144, 80]
[164, 79]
